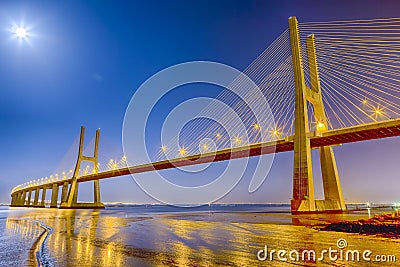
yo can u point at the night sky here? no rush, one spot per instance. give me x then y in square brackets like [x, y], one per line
[85, 60]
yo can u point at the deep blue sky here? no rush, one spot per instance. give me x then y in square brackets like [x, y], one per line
[89, 57]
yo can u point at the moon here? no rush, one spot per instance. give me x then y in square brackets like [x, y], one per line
[21, 32]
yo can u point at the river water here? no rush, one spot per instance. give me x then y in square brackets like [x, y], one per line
[155, 235]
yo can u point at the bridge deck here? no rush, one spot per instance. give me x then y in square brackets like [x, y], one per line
[376, 130]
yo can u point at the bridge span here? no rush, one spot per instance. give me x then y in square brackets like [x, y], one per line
[377, 130]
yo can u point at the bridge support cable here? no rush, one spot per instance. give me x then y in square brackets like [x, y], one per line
[359, 66]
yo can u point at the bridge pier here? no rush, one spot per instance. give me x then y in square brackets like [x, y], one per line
[64, 192]
[71, 199]
[23, 198]
[42, 202]
[303, 184]
[28, 202]
[54, 196]
[36, 199]
[17, 199]
[12, 200]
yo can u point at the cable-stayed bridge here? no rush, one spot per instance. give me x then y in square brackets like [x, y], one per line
[327, 83]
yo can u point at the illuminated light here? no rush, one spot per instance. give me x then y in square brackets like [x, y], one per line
[164, 148]
[365, 101]
[21, 32]
[182, 151]
[237, 140]
[123, 158]
[257, 126]
[276, 132]
[378, 112]
[205, 147]
[218, 135]
[321, 126]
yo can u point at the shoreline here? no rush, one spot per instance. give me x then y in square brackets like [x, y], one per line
[133, 236]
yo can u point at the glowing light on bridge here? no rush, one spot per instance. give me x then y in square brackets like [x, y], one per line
[163, 148]
[275, 132]
[257, 126]
[378, 112]
[321, 126]
[182, 151]
[112, 164]
[237, 140]
[205, 147]
[218, 135]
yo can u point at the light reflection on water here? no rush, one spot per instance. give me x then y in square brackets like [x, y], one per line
[126, 237]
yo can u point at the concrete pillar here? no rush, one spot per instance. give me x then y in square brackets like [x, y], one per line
[12, 200]
[303, 186]
[28, 201]
[72, 196]
[20, 197]
[97, 192]
[54, 196]
[36, 200]
[16, 195]
[17, 199]
[75, 198]
[42, 203]
[64, 192]
[23, 198]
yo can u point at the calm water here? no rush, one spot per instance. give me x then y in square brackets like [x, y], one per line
[217, 235]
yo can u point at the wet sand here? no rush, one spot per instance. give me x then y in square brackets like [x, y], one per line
[128, 237]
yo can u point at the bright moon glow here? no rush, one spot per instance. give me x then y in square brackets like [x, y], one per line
[21, 32]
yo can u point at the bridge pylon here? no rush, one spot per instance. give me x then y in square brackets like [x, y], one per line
[71, 199]
[303, 200]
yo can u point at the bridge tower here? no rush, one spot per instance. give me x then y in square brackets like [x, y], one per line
[303, 185]
[71, 198]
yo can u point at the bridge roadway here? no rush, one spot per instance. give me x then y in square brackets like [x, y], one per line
[375, 130]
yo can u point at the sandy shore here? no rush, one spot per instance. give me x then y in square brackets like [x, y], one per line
[127, 236]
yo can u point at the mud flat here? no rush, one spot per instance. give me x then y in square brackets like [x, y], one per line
[384, 225]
